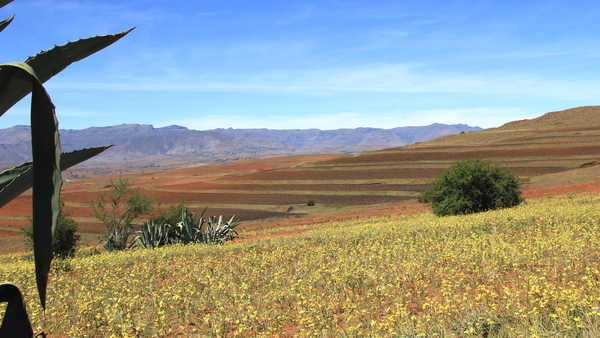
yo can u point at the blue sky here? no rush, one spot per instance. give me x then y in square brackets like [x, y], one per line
[312, 64]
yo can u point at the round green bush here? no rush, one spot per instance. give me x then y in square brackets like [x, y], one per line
[472, 186]
[66, 238]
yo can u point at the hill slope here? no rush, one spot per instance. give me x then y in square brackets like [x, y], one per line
[558, 143]
[274, 191]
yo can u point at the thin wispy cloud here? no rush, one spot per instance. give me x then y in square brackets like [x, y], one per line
[374, 78]
[313, 63]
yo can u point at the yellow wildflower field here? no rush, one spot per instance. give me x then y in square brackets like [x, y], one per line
[529, 271]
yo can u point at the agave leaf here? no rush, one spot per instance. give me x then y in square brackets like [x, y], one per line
[15, 181]
[139, 242]
[4, 2]
[68, 160]
[16, 322]
[5, 23]
[45, 148]
[50, 62]
[11, 79]
[46, 171]
[146, 230]
[203, 211]
[10, 187]
[231, 220]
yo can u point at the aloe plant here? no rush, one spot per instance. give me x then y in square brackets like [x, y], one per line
[17, 80]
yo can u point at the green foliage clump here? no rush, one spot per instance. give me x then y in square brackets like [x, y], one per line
[66, 239]
[153, 235]
[311, 203]
[171, 216]
[188, 229]
[118, 209]
[473, 186]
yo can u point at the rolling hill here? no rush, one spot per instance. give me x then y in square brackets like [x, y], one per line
[557, 151]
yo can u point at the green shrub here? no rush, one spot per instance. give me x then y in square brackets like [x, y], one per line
[65, 244]
[171, 216]
[472, 186]
[118, 209]
[311, 203]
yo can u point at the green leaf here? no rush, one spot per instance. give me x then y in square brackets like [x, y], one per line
[4, 2]
[45, 147]
[5, 23]
[46, 171]
[68, 160]
[15, 181]
[53, 61]
[49, 63]
[13, 80]
[16, 322]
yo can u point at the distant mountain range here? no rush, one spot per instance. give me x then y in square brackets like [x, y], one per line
[138, 145]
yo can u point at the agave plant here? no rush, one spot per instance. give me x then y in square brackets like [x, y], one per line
[153, 235]
[17, 80]
[217, 231]
[117, 239]
[189, 229]
[201, 230]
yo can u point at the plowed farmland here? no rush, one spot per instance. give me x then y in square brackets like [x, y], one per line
[555, 151]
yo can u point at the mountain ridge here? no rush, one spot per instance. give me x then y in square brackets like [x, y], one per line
[137, 145]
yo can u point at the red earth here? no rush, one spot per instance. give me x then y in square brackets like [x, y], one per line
[273, 192]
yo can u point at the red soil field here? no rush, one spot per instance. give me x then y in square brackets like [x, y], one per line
[273, 192]
[579, 188]
[200, 186]
[454, 153]
[203, 198]
[370, 174]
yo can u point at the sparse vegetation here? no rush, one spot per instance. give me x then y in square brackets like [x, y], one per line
[65, 244]
[189, 230]
[153, 235]
[526, 271]
[172, 215]
[472, 186]
[118, 210]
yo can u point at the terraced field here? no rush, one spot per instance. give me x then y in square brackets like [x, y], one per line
[559, 149]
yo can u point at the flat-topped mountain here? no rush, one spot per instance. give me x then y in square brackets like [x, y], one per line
[138, 145]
